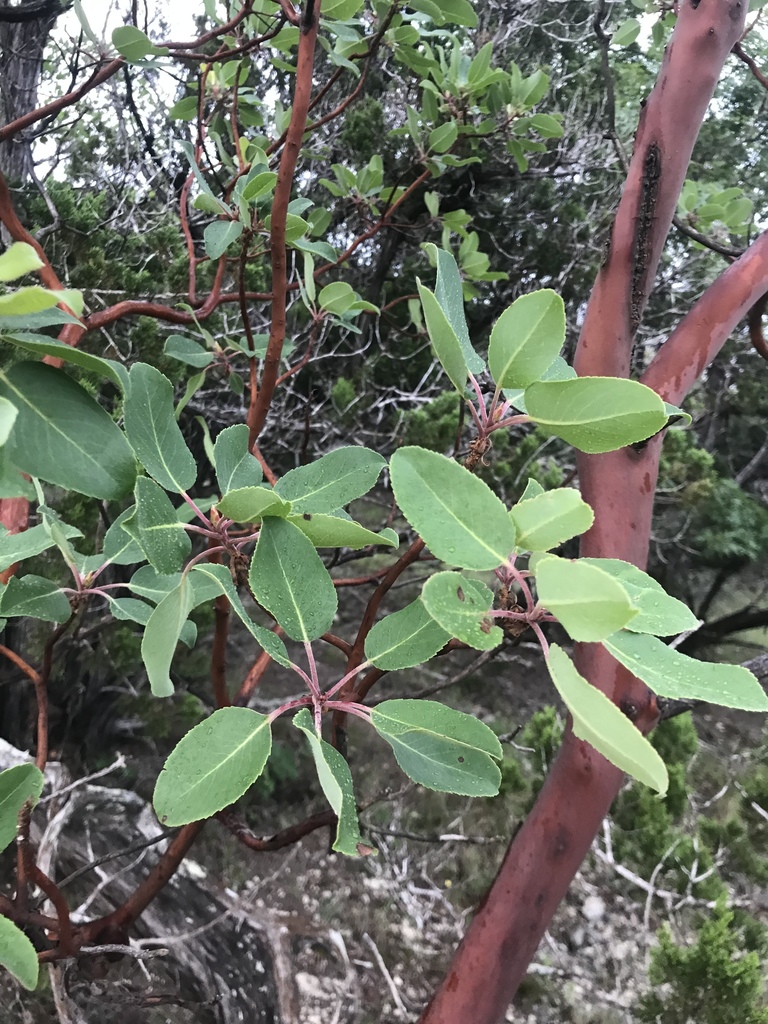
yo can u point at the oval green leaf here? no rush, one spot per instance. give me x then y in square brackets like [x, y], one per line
[596, 414]
[15, 547]
[526, 339]
[35, 597]
[672, 674]
[461, 607]
[39, 344]
[235, 466]
[157, 529]
[153, 431]
[336, 782]
[336, 297]
[659, 613]
[212, 766]
[597, 720]
[17, 785]
[218, 237]
[289, 579]
[334, 532]
[545, 520]
[19, 259]
[445, 342]
[450, 298]
[188, 351]
[405, 638]
[333, 481]
[588, 601]
[161, 635]
[62, 435]
[458, 516]
[440, 748]
[250, 504]
[18, 955]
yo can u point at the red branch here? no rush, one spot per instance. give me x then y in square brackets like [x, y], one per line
[262, 399]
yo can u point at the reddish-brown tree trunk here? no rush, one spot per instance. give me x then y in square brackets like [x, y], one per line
[549, 847]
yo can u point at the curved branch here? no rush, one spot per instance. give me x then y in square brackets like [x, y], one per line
[706, 327]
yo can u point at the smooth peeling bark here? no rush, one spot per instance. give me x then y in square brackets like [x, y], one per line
[706, 327]
[552, 842]
[669, 125]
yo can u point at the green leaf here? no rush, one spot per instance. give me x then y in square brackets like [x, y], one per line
[596, 414]
[40, 344]
[35, 597]
[341, 10]
[219, 235]
[444, 340]
[157, 529]
[405, 638]
[336, 782]
[547, 125]
[440, 748]
[458, 516]
[161, 635]
[17, 785]
[559, 370]
[185, 109]
[128, 609]
[526, 339]
[12, 483]
[443, 137]
[336, 298]
[133, 44]
[597, 720]
[250, 504]
[259, 185]
[147, 582]
[19, 259]
[332, 481]
[288, 578]
[589, 602]
[15, 547]
[188, 351]
[235, 466]
[626, 33]
[672, 674]
[212, 766]
[659, 613]
[452, 12]
[221, 578]
[545, 520]
[333, 532]
[119, 546]
[448, 292]
[35, 299]
[18, 955]
[461, 607]
[62, 435]
[532, 489]
[8, 414]
[153, 431]
[57, 530]
[680, 417]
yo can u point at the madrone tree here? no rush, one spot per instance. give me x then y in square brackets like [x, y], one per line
[273, 278]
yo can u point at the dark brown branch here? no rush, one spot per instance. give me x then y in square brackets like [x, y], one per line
[287, 837]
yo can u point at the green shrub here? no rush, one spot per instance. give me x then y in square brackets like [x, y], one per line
[717, 980]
